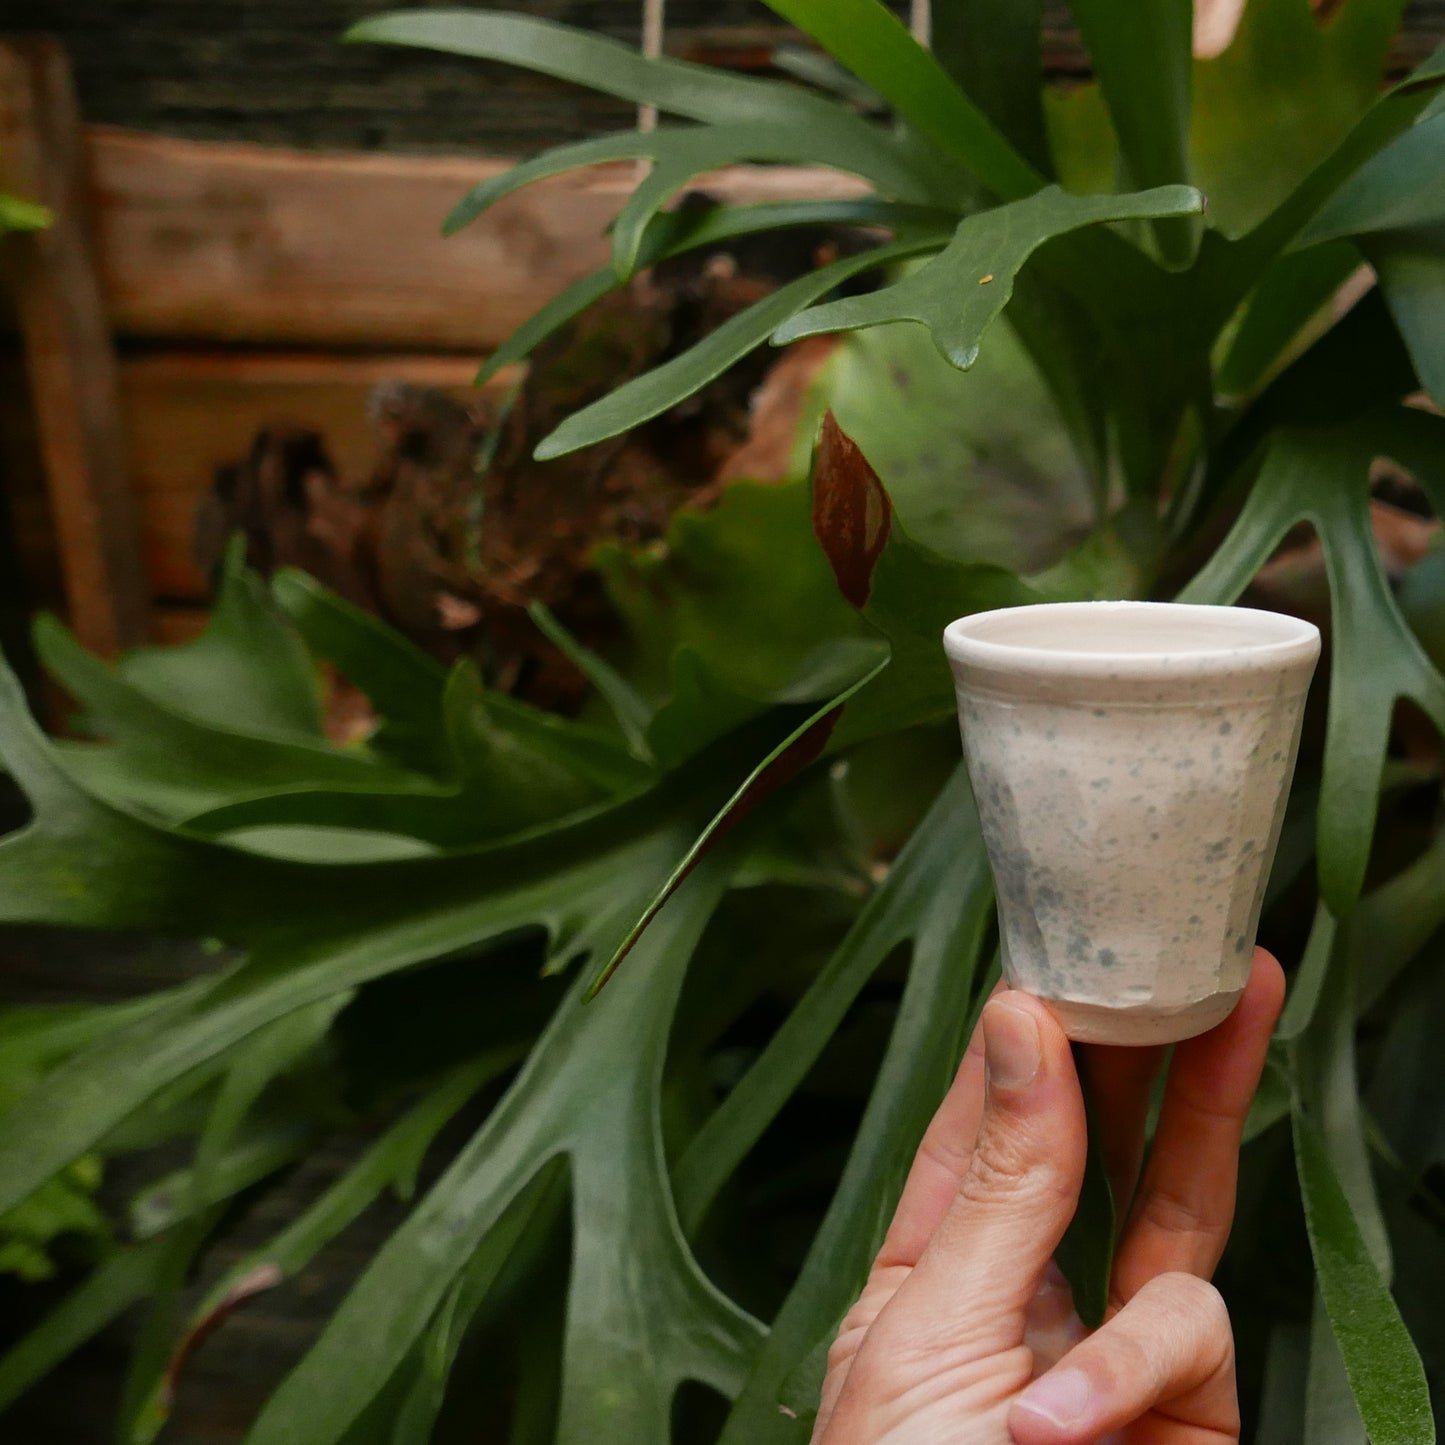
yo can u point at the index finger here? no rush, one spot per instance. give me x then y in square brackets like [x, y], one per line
[1184, 1207]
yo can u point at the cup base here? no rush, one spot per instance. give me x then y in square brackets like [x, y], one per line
[1088, 1023]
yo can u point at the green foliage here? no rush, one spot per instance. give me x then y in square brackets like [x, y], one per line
[1302, 85]
[654, 392]
[1141, 58]
[18, 215]
[1393, 208]
[871, 42]
[1375, 657]
[21, 215]
[992, 484]
[682, 1178]
[1385, 1373]
[960, 293]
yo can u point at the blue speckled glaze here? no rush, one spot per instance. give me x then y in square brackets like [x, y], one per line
[1131, 799]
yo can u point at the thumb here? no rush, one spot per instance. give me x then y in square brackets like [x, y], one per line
[984, 1263]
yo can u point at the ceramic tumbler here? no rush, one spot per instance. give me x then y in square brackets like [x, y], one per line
[1130, 762]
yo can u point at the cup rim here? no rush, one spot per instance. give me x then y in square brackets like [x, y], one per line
[1268, 641]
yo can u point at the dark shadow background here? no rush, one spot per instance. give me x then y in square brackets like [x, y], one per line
[272, 71]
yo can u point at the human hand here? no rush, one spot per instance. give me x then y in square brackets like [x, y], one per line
[964, 1308]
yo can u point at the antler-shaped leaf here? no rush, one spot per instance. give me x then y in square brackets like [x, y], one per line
[641, 1315]
[676, 87]
[963, 289]
[1323, 478]
[314, 929]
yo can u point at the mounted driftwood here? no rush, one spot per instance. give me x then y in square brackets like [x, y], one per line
[329, 269]
[451, 531]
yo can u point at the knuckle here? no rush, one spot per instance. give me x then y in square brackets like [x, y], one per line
[1127, 1359]
[1200, 1298]
[1174, 1212]
[985, 1179]
[1007, 1164]
[1198, 1310]
[882, 1285]
[1213, 1113]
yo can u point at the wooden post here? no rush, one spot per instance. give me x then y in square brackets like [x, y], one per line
[70, 358]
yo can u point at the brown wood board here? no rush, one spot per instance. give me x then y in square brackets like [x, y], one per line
[69, 357]
[252, 244]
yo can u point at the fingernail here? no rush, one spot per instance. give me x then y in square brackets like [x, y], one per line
[1010, 1046]
[1061, 1397]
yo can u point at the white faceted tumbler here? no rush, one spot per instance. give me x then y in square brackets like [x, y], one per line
[1131, 762]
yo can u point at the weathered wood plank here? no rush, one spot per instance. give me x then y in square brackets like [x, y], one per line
[243, 243]
[69, 358]
[257, 244]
